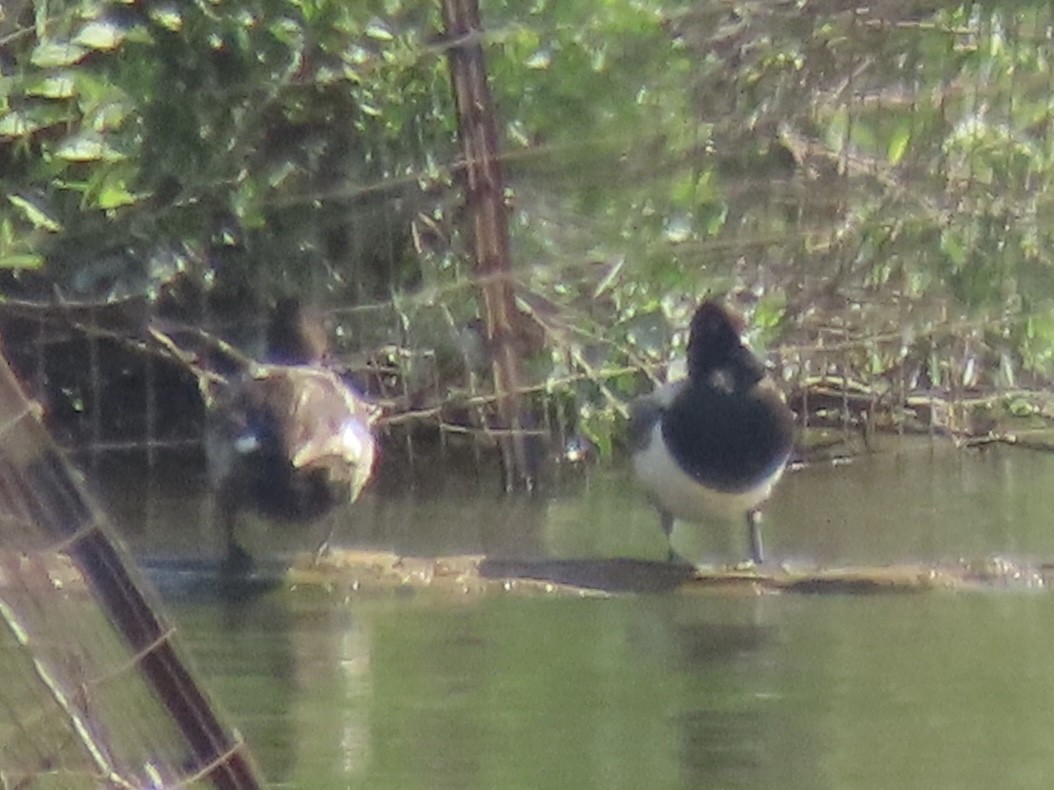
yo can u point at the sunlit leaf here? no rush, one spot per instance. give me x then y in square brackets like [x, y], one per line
[167, 16]
[17, 124]
[287, 31]
[36, 215]
[517, 133]
[103, 36]
[87, 148]
[52, 54]
[898, 145]
[541, 59]
[114, 195]
[379, 30]
[26, 260]
[62, 87]
[715, 219]
[108, 116]
[770, 310]
[246, 204]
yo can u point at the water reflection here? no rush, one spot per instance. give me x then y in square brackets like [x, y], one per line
[298, 679]
[936, 690]
[924, 503]
[927, 502]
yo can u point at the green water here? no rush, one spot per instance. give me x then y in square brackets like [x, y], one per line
[936, 691]
[930, 690]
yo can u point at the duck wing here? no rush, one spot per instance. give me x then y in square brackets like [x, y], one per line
[315, 418]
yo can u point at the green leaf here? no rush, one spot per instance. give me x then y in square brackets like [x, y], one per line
[103, 36]
[18, 124]
[114, 195]
[53, 54]
[108, 116]
[168, 16]
[952, 246]
[540, 60]
[87, 148]
[36, 215]
[61, 87]
[1020, 407]
[379, 30]
[26, 260]
[898, 146]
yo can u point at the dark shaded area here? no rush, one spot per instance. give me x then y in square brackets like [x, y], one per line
[98, 382]
[610, 575]
[187, 580]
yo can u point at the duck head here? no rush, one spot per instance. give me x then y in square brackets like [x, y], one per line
[714, 338]
[295, 334]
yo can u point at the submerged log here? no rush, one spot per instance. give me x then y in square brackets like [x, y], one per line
[369, 571]
[379, 572]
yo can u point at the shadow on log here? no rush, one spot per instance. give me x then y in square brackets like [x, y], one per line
[618, 575]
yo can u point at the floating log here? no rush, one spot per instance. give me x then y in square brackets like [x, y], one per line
[373, 571]
[380, 572]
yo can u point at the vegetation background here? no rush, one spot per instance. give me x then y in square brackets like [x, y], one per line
[871, 186]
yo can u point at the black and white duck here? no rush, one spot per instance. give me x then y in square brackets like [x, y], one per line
[712, 446]
[288, 438]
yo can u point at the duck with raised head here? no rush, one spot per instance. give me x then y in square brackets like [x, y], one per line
[712, 446]
[289, 438]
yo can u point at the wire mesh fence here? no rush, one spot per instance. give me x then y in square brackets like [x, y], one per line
[870, 184]
[95, 692]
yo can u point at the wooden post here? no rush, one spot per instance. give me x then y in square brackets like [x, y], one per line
[485, 194]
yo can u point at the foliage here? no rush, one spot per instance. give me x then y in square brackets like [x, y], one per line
[876, 175]
[240, 135]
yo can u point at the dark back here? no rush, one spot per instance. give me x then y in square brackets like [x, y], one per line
[728, 425]
[731, 439]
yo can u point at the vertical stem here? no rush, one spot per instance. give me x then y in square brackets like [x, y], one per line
[96, 388]
[485, 192]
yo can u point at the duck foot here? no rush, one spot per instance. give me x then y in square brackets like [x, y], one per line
[673, 558]
[321, 552]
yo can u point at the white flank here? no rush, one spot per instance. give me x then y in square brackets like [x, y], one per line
[685, 498]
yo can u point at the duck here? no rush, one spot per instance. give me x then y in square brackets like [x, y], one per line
[712, 446]
[287, 438]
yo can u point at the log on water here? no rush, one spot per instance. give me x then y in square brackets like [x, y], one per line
[373, 571]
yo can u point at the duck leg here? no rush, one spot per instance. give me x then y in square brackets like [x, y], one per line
[236, 560]
[327, 542]
[666, 522]
[757, 550]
